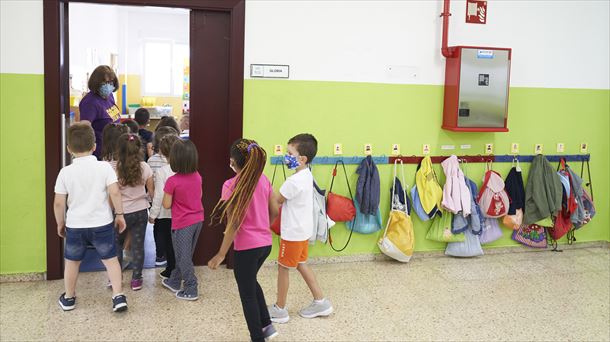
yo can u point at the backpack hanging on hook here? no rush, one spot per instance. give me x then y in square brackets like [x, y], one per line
[340, 208]
[493, 199]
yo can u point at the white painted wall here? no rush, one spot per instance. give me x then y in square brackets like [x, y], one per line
[21, 37]
[556, 43]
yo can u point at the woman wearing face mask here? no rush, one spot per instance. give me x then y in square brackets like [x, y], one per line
[98, 106]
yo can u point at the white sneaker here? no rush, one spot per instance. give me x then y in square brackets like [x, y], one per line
[277, 314]
[317, 309]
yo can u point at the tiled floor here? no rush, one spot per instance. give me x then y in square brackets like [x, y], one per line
[521, 296]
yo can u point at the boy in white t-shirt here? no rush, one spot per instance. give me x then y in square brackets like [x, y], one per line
[296, 195]
[85, 186]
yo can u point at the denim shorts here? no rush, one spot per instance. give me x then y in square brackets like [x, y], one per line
[102, 238]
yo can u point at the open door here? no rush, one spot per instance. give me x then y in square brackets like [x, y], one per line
[216, 103]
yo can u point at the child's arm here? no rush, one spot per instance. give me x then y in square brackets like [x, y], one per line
[115, 197]
[158, 197]
[274, 206]
[59, 208]
[227, 240]
[150, 186]
[167, 200]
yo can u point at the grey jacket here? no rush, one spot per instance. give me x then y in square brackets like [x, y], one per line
[368, 188]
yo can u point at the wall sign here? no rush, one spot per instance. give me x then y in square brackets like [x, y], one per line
[269, 71]
[476, 12]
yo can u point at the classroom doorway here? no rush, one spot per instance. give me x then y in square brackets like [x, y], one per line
[215, 50]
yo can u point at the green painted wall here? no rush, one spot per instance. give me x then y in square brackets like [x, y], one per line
[22, 205]
[382, 114]
[350, 113]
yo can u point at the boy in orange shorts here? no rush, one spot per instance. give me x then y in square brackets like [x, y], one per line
[296, 195]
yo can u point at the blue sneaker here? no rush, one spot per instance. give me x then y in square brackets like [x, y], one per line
[165, 282]
[269, 332]
[67, 304]
[185, 296]
[119, 303]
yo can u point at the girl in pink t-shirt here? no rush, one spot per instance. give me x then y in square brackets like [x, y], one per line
[182, 193]
[247, 206]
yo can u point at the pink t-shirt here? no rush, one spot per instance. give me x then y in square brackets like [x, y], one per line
[254, 231]
[185, 190]
[134, 197]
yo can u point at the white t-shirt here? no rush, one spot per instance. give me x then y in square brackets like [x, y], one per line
[297, 211]
[86, 183]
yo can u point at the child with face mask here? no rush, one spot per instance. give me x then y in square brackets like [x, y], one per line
[248, 205]
[98, 106]
[296, 195]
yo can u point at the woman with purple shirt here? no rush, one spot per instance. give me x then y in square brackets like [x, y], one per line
[98, 106]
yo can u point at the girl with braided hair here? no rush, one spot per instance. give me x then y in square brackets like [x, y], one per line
[247, 206]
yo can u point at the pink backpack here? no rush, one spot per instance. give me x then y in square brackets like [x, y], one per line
[493, 199]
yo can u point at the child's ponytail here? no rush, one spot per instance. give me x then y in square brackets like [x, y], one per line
[251, 159]
[128, 167]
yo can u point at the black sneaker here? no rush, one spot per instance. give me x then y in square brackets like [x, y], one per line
[269, 332]
[67, 304]
[119, 303]
[165, 274]
[160, 261]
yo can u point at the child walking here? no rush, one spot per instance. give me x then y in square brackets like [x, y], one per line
[182, 193]
[296, 194]
[247, 204]
[157, 161]
[135, 176]
[161, 217]
[85, 186]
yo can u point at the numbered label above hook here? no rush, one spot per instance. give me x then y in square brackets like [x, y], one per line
[338, 149]
[368, 149]
[395, 149]
[561, 147]
[278, 150]
[584, 148]
[538, 149]
[514, 148]
[489, 148]
[426, 149]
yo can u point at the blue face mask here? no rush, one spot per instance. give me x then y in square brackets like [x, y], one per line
[291, 162]
[106, 89]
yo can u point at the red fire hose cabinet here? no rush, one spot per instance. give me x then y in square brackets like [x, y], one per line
[476, 89]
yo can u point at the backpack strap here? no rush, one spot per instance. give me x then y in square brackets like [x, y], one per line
[484, 186]
[351, 229]
[589, 184]
[275, 169]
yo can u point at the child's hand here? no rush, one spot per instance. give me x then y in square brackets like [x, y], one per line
[151, 220]
[216, 261]
[119, 222]
[61, 230]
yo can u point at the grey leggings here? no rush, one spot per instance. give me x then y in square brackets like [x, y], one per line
[136, 226]
[184, 241]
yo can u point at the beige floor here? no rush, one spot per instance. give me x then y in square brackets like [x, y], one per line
[520, 296]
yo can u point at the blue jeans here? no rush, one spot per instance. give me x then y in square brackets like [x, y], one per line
[102, 238]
